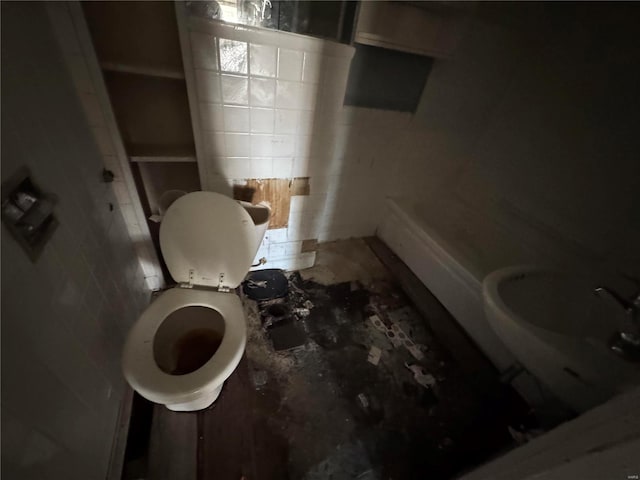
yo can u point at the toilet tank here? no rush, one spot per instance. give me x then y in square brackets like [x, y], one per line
[260, 214]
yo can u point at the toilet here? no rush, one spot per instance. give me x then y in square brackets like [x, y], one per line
[191, 338]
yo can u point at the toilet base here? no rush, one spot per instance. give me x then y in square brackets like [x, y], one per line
[199, 404]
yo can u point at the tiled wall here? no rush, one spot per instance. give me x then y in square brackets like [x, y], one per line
[270, 106]
[72, 36]
[64, 317]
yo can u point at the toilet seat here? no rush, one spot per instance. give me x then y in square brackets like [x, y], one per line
[207, 239]
[139, 364]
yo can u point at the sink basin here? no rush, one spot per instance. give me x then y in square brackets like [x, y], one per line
[560, 331]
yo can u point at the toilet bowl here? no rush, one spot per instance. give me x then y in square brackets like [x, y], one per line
[191, 338]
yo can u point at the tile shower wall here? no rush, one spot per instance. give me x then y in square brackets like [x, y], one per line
[64, 317]
[270, 106]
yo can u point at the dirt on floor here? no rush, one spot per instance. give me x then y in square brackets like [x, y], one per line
[359, 387]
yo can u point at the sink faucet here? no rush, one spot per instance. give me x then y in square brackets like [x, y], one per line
[627, 341]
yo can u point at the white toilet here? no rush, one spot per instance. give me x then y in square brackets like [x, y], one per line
[191, 338]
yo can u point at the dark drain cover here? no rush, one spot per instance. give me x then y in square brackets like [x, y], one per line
[266, 285]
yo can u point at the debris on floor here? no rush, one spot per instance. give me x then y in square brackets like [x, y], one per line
[340, 416]
[521, 435]
[363, 401]
[374, 355]
[260, 378]
[425, 379]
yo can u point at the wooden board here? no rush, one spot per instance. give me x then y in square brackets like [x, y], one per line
[276, 192]
[225, 447]
[300, 186]
[236, 440]
[173, 449]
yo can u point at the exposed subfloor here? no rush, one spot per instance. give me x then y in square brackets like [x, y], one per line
[322, 410]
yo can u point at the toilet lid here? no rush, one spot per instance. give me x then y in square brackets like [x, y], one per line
[205, 240]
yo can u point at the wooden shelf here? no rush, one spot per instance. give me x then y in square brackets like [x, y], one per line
[153, 115]
[140, 70]
[162, 153]
[148, 158]
[137, 37]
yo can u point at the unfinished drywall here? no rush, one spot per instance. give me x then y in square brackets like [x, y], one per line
[274, 192]
[64, 317]
[532, 125]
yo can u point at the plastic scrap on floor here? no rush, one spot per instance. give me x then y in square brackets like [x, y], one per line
[364, 402]
[371, 407]
[260, 378]
[398, 337]
[395, 341]
[423, 378]
[406, 342]
[375, 320]
[374, 355]
[393, 338]
[521, 435]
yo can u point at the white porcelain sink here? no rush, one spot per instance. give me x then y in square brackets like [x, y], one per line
[560, 331]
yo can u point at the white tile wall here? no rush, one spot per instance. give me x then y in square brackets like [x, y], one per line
[263, 60]
[237, 144]
[290, 64]
[263, 92]
[235, 89]
[296, 125]
[211, 117]
[288, 94]
[236, 119]
[261, 145]
[262, 120]
[287, 121]
[96, 115]
[311, 68]
[64, 317]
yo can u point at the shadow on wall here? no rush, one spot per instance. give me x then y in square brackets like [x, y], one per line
[65, 316]
[531, 127]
